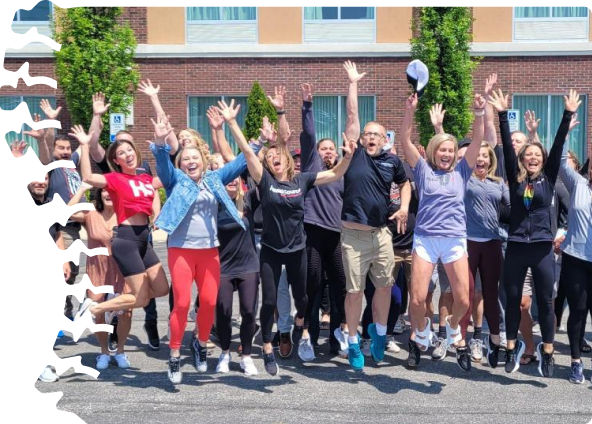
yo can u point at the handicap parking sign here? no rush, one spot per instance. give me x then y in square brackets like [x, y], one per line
[116, 124]
[513, 119]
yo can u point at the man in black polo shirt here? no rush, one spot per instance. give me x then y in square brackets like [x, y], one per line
[365, 238]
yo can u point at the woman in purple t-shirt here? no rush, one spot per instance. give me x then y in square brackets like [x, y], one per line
[440, 229]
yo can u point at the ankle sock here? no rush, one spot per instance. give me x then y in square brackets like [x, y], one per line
[477, 333]
[380, 329]
[352, 339]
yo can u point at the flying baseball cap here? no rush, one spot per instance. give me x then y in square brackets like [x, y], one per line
[465, 142]
[295, 152]
[418, 76]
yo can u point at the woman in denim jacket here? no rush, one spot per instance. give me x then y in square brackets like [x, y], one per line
[189, 217]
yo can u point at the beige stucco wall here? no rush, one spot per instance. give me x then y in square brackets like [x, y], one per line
[492, 24]
[280, 25]
[166, 25]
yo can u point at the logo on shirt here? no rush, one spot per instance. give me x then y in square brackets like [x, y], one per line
[387, 164]
[140, 189]
[286, 193]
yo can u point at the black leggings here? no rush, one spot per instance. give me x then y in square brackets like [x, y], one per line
[540, 258]
[248, 290]
[271, 270]
[323, 251]
[131, 249]
[577, 276]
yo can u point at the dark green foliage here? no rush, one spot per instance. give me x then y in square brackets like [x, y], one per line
[162, 195]
[258, 106]
[443, 44]
[97, 55]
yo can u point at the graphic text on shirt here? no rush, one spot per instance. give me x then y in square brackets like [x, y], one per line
[286, 193]
[141, 189]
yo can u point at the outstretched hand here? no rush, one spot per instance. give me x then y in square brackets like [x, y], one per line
[215, 119]
[572, 101]
[99, 106]
[307, 90]
[531, 122]
[436, 112]
[49, 111]
[349, 146]
[574, 121]
[352, 72]
[479, 102]
[36, 134]
[278, 100]
[499, 100]
[268, 131]
[148, 89]
[228, 112]
[489, 83]
[79, 134]
[162, 129]
[17, 148]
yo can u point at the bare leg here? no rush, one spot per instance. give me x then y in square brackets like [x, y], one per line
[458, 274]
[353, 311]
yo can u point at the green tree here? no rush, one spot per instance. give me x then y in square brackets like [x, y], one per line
[97, 55]
[258, 106]
[442, 42]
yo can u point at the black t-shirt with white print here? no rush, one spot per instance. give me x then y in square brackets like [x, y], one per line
[282, 203]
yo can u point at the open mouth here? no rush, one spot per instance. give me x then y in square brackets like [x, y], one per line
[192, 168]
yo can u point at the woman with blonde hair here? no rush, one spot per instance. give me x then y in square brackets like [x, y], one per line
[531, 177]
[440, 230]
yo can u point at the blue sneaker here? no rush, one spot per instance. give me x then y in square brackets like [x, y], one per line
[60, 334]
[355, 357]
[577, 373]
[378, 344]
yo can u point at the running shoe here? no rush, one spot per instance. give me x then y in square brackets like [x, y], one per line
[463, 358]
[341, 336]
[546, 361]
[355, 357]
[174, 373]
[305, 350]
[223, 363]
[536, 328]
[513, 356]
[391, 345]
[414, 354]
[577, 373]
[440, 350]
[285, 345]
[377, 345]
[200, 356]
[476, 347]
[366, 347]
[270, 363]
[400, 326]
[297, 334]
[122, 360]
[84, 307]
[151, 330]
[103, 361]
[492, 352]
[60, 334]
[49, 375]
[248, 366]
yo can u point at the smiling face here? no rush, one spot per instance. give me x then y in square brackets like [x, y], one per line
[186, 139]
[483, 163]
[533, 159]
[373, 138]
[232, 188]
[276, 162]
[191, 163]
[444, 156]
[62, 150]
[107, 202]
[126, 158]
[39, 188]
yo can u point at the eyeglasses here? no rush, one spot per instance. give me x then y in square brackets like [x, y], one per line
[373, 135]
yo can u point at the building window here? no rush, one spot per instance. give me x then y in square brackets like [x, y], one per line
[333, 13]
[550, 12]
[549, 109]
[40, 13]
[221, 13]
[330, 115]
[199, 121]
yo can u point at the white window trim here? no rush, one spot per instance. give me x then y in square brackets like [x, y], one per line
[549, 19]
[339, 18]
[19, 22]
[223, 21]
[254, 22]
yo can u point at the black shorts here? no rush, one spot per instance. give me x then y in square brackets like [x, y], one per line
[131, 249]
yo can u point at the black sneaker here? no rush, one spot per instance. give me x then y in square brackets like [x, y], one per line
[152, 332]
[546, 362]
[271, 365]
[492, 353]
[414, 355]
[513, 356]
[113, 339]
[297, 334]
[463, 358]
[200, 356]
[174, 373]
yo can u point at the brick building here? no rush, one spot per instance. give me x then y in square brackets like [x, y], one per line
[199, 55]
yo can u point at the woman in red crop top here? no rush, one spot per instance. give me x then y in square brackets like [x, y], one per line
[133, 197]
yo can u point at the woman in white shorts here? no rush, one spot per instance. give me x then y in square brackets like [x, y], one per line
[440, 232]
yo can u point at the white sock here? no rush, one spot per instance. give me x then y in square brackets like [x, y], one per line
[352, 340]
[380, 329]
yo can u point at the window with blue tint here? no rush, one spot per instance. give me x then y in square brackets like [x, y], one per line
[198, 120]
[549, 109]
[330, 115]
[40, 13]
[335, 13]
[221, 13]
[551, 12]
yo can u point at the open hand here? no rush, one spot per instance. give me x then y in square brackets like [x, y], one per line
[36, 134]
[162, 129]
[436, 112]
[49, 111]
[278, 100]
[148, 89]
[99, 106]
[306, 92]
[489, 83]
[268, 131]
[572, 101]
[530, 121]
[498, 100]
[214, 118]
[79, 134]
[17, 148]
[228, 112]
[352, 72]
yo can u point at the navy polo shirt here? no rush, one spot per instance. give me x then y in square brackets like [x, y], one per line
[367, 187]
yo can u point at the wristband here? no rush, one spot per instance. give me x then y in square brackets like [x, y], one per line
[280, 112]
[479, 112]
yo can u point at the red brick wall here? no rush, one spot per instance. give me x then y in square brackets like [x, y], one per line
[179, 78]
[136, 16]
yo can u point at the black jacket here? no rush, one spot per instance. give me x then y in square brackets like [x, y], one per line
[536, 224]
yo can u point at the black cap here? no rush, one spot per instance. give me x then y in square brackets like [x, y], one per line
[464, 142]
[418, 76]
[295, 152]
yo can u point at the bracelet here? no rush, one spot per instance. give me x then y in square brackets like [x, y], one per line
[280, 112]
[476, 112]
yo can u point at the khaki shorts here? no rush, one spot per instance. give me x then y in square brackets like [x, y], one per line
[367, 253]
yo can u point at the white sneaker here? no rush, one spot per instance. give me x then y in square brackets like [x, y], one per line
[476, 347]
[536, 329]
[248, 366]
[174, 372]
[103, 361]
[223, 363]
[84, 307]
[305, 350]
[341, 337]
[365, 347]
[400, 326]
[122, 360]
[391, 345]
[49, 375]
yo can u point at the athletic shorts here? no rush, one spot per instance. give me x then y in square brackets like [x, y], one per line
[131, 249]
[445, 249]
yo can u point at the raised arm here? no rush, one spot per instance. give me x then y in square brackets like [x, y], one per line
[39, 135]
[532, 124]
[17, 148]
[279, 103]
[221, 145]
[81, 215]
[97, 151]
[409, 150]
[160, 149]
[500, 102]
[568, 175]
[50, 113]
[352, 124]
[572, 103]
[472, 152]
[308, 139]
[349, 147]
[95, 180]
[229, 112]
[437, 118]
[151, 91]
[490, 134]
